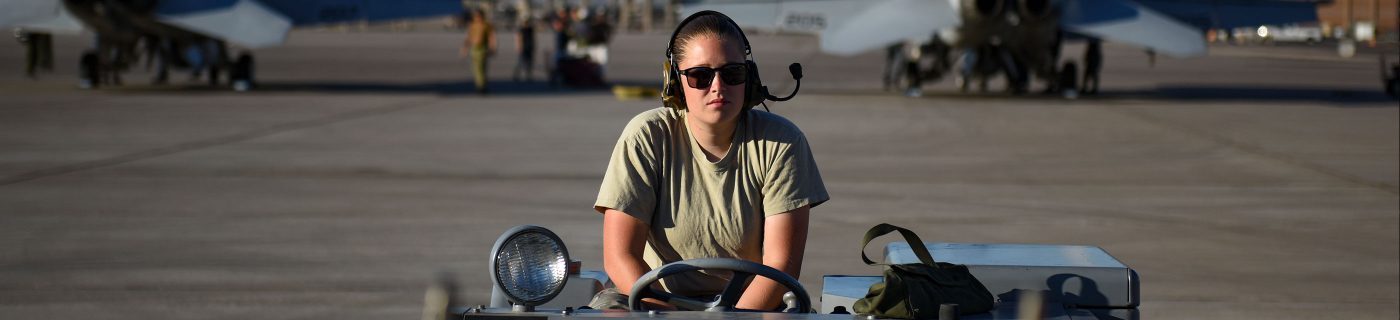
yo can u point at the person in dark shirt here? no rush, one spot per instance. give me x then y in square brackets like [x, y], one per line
[560, 23]
[525, 47]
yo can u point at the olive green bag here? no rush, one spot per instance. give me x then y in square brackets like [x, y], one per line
[917, 290]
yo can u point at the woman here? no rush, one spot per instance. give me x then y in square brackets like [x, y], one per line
[707, 176]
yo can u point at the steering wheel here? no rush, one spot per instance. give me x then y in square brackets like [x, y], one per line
[742, 270]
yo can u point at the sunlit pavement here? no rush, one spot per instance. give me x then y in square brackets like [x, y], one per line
[1249, 184]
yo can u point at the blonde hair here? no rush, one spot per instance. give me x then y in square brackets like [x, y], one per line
[708, 25]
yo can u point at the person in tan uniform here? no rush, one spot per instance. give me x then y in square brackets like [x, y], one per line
[479, 45]
[707, 176]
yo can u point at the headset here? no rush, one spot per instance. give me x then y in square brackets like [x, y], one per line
[755, 93]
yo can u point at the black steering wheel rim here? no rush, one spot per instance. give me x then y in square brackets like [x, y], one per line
[742, 270]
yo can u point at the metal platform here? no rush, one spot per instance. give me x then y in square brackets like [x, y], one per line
[1084, 276]
[507, 314]
[1079, 282]
[1003, 312]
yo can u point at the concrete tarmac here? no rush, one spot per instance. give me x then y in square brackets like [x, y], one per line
[1253, 183]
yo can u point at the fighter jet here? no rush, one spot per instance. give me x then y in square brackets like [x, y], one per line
[195, 33]
[1020, 40]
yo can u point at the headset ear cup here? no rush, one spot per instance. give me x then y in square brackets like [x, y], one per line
[754, 92]
[670, 86]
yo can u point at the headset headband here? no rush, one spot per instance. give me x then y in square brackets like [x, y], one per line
[670, 46]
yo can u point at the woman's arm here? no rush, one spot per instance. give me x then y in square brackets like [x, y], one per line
[784, 241]
[623, 239]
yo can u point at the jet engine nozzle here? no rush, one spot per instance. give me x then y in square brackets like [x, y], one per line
[1033, 9]
[982, 10]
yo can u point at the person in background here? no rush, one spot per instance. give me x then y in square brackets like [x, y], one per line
[525, 47]
[578, 32]
[560, 24]
[599, 33]
[479, 45]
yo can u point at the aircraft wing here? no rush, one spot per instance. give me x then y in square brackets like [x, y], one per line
[305, 13]
[846, 27]
[43, 15]
[262, 23]
[1132, 23]
[1174, 27]
[1225, 14]
[246, 22]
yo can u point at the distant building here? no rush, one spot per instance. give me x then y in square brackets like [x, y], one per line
[1382, 15]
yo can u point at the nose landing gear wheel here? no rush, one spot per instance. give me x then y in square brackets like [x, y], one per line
[90, 71]
[1069, 74]
[743, 271]
[241, 77]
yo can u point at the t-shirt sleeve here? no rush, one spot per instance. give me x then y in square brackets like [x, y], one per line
[629, 184]
[793, 180]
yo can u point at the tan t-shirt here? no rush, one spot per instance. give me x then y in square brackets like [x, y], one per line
[479, 34]
[701, 209]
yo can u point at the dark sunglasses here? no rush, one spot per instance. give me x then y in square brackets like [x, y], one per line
[702, 77]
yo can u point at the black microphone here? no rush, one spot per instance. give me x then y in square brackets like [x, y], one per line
[796, 70]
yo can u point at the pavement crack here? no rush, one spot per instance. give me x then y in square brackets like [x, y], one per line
[207, 143]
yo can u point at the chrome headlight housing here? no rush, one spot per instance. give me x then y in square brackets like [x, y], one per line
[530, 265]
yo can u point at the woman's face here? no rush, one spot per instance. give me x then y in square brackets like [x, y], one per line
[718, 103]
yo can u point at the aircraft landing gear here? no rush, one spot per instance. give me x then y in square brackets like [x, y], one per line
[1391, 80]
[1392, 83]
[89, 70]
[1091, 82]
[894, 66]
[913, 79]
[961, 81]
[214, 75]
[1017, 76]
[241, 77]
[964, 83]
[162, 77]
[1093, 64]
[1069, 75]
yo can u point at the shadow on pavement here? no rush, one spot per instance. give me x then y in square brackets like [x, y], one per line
[445, 88]
[452, 88]
[1337, 97]
[1334, 97]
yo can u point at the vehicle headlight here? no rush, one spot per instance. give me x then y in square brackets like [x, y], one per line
[530, 265]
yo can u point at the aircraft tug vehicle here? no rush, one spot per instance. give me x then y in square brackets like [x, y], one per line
[534, 278]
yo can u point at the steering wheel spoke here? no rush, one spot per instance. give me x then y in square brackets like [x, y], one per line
[735, 289]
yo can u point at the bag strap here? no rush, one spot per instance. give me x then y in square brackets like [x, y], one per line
[915, 243]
